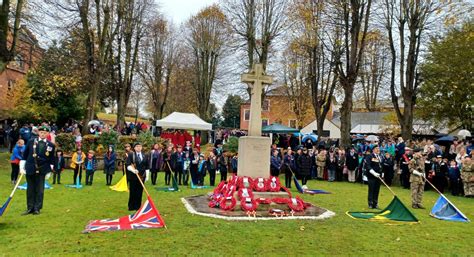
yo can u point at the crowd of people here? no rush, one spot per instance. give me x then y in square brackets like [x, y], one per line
[364, 162]
[411, 163]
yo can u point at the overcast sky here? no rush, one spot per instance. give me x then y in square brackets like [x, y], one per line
[180, 10]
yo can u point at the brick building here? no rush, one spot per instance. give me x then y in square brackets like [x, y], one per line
[28, 54]
[277, 107]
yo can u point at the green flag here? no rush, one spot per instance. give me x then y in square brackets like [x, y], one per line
[174, 188]
[395, 211]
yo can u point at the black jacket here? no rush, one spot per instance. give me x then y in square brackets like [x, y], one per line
[141, 166]
[44, 158]
[352, 162]
[304, 163]
[373, 163]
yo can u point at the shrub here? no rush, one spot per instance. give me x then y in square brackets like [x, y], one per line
[66, 142]
[89, 142]
[108, 138]
[232, 145]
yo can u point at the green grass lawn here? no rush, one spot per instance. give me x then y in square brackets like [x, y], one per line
[57, 231]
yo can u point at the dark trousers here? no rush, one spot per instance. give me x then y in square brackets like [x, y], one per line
[108, 178]
[57, 175]
[179, 173]
[15, 171]
[77, 172]
[374, 189]
[89, 177]
[212, 177]
[304, 179]
[35, 192]
[167, 177]
[223, 174]
[135, 196]
[185, 176]
[456, 186]
[288, 177]
[405, 178]
[154, 176]
[200, 179]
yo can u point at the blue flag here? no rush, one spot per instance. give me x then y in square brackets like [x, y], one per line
[5, 206]
[308, 191]
[443, 209]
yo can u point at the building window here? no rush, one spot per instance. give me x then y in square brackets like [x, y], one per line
[266, 105]
[246, 114]
[11, 83]
[264, 122]
[19, 62]
[292, 123]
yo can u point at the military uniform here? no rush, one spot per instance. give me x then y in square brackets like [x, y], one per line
[417, 182]
[374, 165]
[38, 161]
[467, 175]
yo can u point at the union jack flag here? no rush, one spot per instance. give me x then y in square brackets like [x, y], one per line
[146, 217]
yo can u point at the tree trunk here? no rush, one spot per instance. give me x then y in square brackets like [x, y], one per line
[121, 109]
[346, 110]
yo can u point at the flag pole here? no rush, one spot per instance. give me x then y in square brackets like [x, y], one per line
[143, 185]
[387, 186]
[172, 172]
[16, 185]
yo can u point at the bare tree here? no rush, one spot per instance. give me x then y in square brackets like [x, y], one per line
[130, 23]
[206, 38]
[374, 68]
[297, 88]
[256, 24]
[402, 16]
[354, 16]
[317, 39]
[158, 63]
[8, 34]
[97, 36]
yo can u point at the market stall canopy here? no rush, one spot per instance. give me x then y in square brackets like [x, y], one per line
[278, 128]
[179, 120]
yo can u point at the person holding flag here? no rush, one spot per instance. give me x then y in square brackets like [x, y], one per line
[38, 160]
[137, 164]
[417, 179]
[374, 168]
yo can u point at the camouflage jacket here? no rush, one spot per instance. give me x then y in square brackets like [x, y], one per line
[417, 164]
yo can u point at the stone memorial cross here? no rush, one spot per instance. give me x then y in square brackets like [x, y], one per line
[256, 79]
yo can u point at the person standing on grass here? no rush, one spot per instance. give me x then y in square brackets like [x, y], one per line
[167, 164]
[467, 175]
[212, 167]
[109, 164]
[331, 165]
[156, 162]
[388, 168]
[455, 178]
[90, 166]
[275, 163]
[352, 162]
[77, 163]
[59, 165]
[374, 172]
[304, 164]
[37, 161]
[288, 166]
[223, 163]
[417, 179]
[15, 159]
[137, 165]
